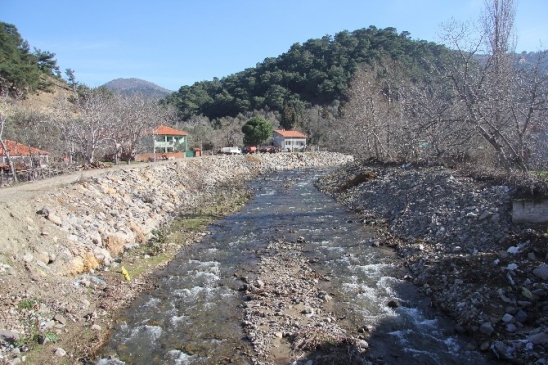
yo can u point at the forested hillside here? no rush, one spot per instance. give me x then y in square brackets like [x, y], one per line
[316, 72]
[23, 71]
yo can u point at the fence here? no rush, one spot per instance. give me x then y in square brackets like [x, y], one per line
[36, 173]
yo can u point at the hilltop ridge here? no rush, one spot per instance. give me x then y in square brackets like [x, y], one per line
[133, 85]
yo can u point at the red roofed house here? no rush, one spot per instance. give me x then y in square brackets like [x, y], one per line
[169, 139]
[164, 142]
[289, 140]
[21, 154]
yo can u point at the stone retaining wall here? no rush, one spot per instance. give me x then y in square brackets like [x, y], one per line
[103, 216]
[530, 211]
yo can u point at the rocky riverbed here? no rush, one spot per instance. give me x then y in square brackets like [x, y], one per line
[285, 315]
[456, 236]
[75, 251]
[64, 248]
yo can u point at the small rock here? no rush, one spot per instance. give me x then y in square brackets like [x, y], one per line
[512, 267]
[394, 303]
[42, 264]
[541, 272]
[9, 336]
[48, 325]
[362, 345]
[55, 219]
[503, 254]
[526, 293]
[28, 257]
[521, 316]
[484, 216]
[539, 339]
[499, 349]
[541, 293]
[44, 211]
[507, 318]
[59, 352]
[487, 328]
[59, 318]
[96, 327]
[85, 282]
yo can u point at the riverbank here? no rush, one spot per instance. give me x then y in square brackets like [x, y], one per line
[67, 250]
[456, 236]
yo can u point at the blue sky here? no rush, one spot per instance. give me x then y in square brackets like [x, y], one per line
[178, 42]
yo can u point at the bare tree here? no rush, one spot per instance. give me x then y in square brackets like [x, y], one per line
[357, 131]
[482, 99]
[201, 132]
[87, 124]
[317, 124]
[137, 115]
[6, 150]
[372, 123]
[499, 99]
[101, 121]
[5, 110]
[431, 113]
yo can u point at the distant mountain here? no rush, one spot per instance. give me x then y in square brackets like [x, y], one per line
[137, 86]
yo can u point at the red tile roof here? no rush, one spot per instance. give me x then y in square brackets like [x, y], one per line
[289, 134]
[18, 149]
[165, 130]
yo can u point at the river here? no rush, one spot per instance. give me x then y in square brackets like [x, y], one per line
[194, 315]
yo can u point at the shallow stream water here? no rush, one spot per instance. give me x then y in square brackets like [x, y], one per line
[194, 315]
